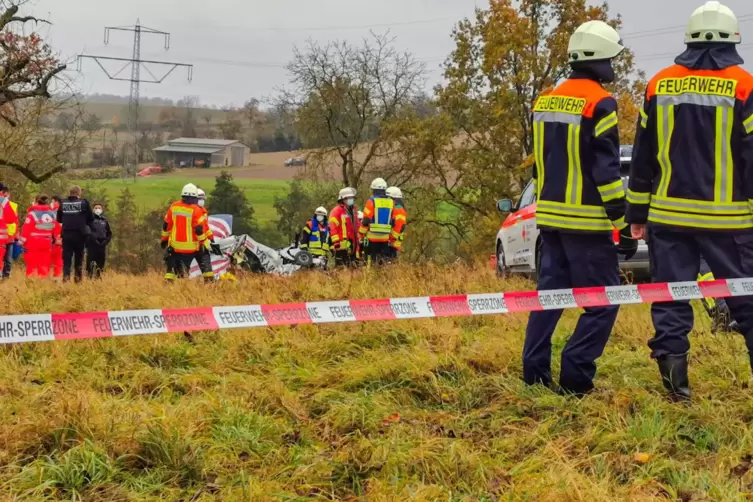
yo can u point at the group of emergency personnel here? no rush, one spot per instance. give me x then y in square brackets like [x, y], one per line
[54, 236]
[690, 192]
[374, 235]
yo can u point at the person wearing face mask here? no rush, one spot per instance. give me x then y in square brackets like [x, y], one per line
[580, 200]
[315, 235]
[376, 225]
[343, 228]
[96, 246]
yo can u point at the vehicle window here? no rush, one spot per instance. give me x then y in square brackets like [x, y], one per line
[527, 198]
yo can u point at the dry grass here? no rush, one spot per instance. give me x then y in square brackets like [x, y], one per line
[392, 411]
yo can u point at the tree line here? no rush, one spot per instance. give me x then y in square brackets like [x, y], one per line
[361, 110]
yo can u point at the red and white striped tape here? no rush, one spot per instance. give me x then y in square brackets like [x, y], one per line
[48, 327]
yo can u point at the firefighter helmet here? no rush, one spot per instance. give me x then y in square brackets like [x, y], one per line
[712, 22]
[379, 184]
[594, 41]
[190, 190]
[321, 211]
[394, 193]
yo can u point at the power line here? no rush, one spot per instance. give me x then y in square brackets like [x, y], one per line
[671, 29]
[136, 64]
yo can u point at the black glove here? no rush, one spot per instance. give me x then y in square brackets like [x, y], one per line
[215, 248]
[627, 246]
[163, 244]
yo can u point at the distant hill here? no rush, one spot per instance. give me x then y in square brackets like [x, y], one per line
[108, 106]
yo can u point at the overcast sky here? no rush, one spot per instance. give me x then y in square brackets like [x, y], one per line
[238, 47]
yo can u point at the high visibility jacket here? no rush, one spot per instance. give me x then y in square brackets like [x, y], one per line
[7, 217]
[208, 234]
[315, 238]
[343, 224]
[577, 159]
[183, 228]
[41, 228]
[13, 228]
[693, 153]
[376, 224]
[399, 221]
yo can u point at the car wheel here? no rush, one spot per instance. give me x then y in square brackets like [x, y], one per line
[304, 259]
[501, 268]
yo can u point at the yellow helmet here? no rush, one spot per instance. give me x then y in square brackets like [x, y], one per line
[712, 22]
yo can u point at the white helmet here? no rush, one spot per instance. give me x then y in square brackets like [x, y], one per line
[190, 190]
[345, 193]
[321, 211]
[379, 184]
[200, 193]
[394, 193]
[712, 22]
[594, 41]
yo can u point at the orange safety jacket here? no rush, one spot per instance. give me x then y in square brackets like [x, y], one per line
[183, 229]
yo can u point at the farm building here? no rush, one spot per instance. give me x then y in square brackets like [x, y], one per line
[202, 152]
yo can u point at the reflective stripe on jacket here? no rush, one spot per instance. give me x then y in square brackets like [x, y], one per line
[577, 159]
[7, 218]
[693, 154]
[376, 225]
[183, 228]
[400, 220]
[315, 238]
[41, 228]
[13, 227]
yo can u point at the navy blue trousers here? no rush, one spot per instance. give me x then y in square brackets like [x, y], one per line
[676, 256]
[572, 261]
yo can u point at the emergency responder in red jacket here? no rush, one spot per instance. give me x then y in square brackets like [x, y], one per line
[399, 221]
[691, 180]
[343, 228]
[580, 200]
[8, 217]
[183, 233]
[376, 225]
[40, 232]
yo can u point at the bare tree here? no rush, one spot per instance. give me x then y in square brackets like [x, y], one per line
[37, 152]
[188, 106]
[342, 94]
[27, 70]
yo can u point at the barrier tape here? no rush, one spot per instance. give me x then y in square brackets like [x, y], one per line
[73, 326]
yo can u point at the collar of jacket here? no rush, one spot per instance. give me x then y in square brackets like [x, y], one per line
[716, 56]
[598, 71]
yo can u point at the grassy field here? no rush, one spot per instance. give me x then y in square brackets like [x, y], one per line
[154, 191]
[424, 410]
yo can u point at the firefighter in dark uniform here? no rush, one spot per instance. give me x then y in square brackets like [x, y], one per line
[581, 199]
[690, 181]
